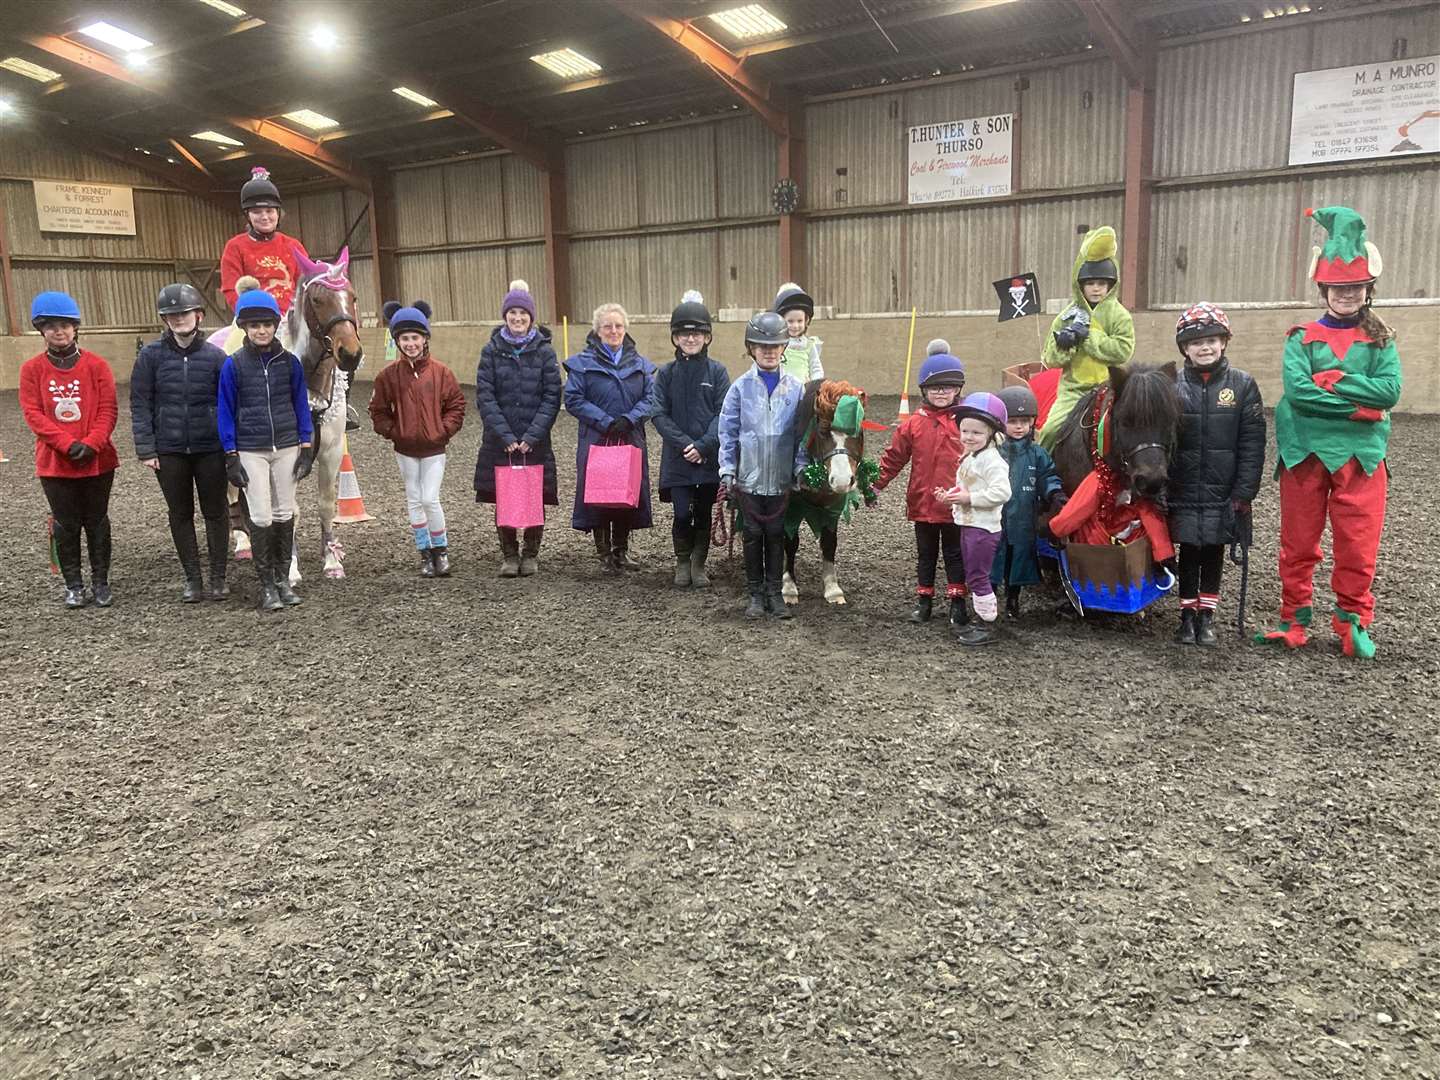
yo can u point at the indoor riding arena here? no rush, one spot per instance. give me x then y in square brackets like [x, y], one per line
[488, 802]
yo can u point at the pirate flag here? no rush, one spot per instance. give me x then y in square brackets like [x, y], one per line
[1019, 296]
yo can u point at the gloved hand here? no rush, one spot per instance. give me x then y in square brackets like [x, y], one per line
[730, 491]
[1367, 414]
[234, 471]
[304, 463]
[620, 427]
[1065, 339]
[78, 451]
[1058, 501]
[1080, 328]
[1240, 506]
[1326, 380]
[1169, 564]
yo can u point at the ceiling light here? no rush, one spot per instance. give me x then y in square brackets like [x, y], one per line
[214, 136]
[567, 63]
[229, 9]
[750, 21]
[311, 119]
[415, 96]
[322, 37]
[137, 60]
[5, 106]
[29, 70]
[112, 35]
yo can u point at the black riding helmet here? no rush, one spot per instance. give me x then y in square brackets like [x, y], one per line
[1098, 270]
[792, 297]
[1020, 402]
[259, 191]
[179, 298]
[766, 328]
[691, 314]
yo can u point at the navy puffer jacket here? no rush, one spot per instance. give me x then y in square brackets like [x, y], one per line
[1220, 456]
[517, 392]
[172, 397]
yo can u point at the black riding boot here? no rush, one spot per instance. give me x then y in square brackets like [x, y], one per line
[620, 548]
[217, 544]
[684, 548]
[959, 614]
[698, 554]
[67, 554]
[440, 561]
[188, 548]
[755, 575]
[1185, 632]
[924, 605]
[775, 576]
[100, 547]
[263, 556]
[1205, 628]
[1012, 601]
[282, 536]
[603, 548]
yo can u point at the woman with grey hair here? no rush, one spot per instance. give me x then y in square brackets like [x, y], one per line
[607, 389]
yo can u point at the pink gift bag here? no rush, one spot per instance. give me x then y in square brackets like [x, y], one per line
[612, 476]
[519, 496]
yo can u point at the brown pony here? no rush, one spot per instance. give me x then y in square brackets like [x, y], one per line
[839, 452]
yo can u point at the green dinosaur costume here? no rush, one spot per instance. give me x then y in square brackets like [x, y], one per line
[1110, 342]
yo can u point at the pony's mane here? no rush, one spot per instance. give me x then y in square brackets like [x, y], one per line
[1149, 401]
[829, 394]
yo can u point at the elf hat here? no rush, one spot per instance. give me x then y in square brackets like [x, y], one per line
[1347, 258]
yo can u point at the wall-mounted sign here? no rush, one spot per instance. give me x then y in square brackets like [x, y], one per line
[1375, 110]
[960, 159]
[84, 208]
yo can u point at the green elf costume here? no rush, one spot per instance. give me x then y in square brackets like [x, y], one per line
[1341, 376]
[1087, 340]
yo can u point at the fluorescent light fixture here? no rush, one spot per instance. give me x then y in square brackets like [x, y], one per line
[229, 9]
[567, 63]
[311, 119]
[322, 37]
[417, 98]
[110, 34]
[750, 21]
[5, 106]
[137, 60]
[29, 70]
[214, 136]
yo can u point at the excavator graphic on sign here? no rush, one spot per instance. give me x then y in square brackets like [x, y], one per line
[1404, 132]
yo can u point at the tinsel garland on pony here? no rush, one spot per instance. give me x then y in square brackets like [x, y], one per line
[839, 407]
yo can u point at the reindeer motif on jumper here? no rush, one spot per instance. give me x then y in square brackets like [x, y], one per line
[271, 269]
[67, 400]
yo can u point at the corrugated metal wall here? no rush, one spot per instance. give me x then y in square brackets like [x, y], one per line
[115, 278]
[1088, 98]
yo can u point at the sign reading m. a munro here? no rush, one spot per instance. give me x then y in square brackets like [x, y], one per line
[1384, 109]
[960, 159]
[84, 208]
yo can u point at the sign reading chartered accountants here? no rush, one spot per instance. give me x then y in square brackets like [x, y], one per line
[960, 159]
[84, 208]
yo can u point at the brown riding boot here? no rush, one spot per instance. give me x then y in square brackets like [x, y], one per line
[530, 550]
[509, 552]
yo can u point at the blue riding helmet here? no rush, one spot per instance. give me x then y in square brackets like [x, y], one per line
[257, 305]
[416, 317]
[942, 369]
[54, 305]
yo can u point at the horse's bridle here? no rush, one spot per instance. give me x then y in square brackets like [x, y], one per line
[1127, 455]
[319, 331]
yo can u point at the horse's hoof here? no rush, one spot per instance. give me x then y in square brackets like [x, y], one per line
[243, 555]
[792, 599]
[335, 573]
[837, 600]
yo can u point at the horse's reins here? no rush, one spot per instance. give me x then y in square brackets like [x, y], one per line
[321, 331]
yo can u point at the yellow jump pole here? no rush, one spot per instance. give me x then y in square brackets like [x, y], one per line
[909, 352]
[565, 322]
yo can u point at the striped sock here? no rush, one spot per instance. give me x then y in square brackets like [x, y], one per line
[1209, 601]
[955, 592]
[924, 590]
[1189, 603]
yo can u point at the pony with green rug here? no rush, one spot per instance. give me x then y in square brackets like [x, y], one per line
[831, 420]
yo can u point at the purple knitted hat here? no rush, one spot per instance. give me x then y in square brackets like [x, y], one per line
[519, 297]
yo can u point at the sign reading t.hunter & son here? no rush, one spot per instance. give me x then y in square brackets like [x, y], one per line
[960, 159]
[85, 208]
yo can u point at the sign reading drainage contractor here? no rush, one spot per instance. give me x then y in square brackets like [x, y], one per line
[84, 208]
[1385, 109]
[960, 159]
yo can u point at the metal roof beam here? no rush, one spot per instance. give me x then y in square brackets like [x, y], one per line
[767, 102]
[865, 26]
[1129, 44]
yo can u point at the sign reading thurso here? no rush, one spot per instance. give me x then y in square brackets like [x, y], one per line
[84, 208]
[960, 159]
[1371, 111]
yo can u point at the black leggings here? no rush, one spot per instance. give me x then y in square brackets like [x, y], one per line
[1200, 568]
[932, 539]
[693, 505]
[77, 503]
[182, 477]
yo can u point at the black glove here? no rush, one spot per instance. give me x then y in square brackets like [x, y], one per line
[1080, 328]
[620, 427]
[732, 493]
[1168, 564]
[1064, 339]
[234, 471]
[1058, 501]
[1240, 507]
[79, 451]
[304, 463]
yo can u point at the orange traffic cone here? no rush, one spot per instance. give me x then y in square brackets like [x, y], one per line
[350, 507]
[3, 458]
